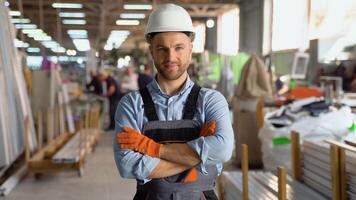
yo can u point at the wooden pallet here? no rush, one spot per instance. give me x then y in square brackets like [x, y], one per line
[52, 158]
[246, 185]
[316, 164]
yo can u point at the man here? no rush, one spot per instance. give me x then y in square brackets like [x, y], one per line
[145, 77]
[129, 80]
[94, 85]
[113, 94]
[173, 136]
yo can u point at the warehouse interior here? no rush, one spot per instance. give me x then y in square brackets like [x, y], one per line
[284, 70]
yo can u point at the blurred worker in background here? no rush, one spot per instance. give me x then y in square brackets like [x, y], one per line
[145, 77]
[129, 80]
[172, 136]
[113, 94]
[95, 85]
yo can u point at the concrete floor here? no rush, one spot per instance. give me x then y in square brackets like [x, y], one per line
[101, 180]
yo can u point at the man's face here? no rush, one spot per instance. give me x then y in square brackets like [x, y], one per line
[171, 52]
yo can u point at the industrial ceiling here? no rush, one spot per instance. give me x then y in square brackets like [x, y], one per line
[100, 17]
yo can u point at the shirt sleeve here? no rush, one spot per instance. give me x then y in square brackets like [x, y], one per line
[215, 149]
[130, 164]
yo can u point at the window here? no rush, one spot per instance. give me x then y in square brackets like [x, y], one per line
[228, 32]
[290, 20]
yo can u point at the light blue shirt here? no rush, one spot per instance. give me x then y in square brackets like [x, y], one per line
[211, 106]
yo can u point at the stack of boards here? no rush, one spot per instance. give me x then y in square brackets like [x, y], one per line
[263, 185]
[14, 100]
[351, 174]
[316, 167]
[81, 143]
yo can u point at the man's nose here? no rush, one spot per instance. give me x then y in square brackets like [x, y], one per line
[171, 55]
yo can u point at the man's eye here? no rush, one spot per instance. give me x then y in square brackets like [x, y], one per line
[179, 48]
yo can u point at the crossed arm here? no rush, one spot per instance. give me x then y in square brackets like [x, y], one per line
[175, 158]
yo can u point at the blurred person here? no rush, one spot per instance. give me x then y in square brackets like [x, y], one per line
[129, 80]
[95, 85]
[113, 94]
[145, 77]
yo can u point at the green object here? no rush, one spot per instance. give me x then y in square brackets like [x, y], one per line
[352, 128]
[281, 140]
[216, 66]
[292, 84]
[237, 64]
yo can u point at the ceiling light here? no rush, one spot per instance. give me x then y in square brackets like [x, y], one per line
[33, 50]
[71, 52]
[80, 61]
[32, 31]
[119, 33]
[20, 21]
[78, 34]
[74, 21]
[58, 49]
[82, 44]
[18, 43]
[7, 4]
[127, 22]
[210, 23]
[63, 58]
[15, 13]
[50, 44]
[132, 15]
[137, 7]
[33, 35]
[42, 38]
[72, 15]
[26, 26]
[67, 5]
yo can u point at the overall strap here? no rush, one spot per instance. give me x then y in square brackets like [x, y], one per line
[148, 105]
[191, 104]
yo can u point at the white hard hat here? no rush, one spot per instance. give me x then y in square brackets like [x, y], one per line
[169, 18]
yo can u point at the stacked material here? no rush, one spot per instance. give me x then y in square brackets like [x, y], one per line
[14, 101]
[80, 144]
[316, 167]
[351, 174]
[263, 185]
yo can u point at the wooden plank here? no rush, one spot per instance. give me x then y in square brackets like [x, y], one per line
[282, 183]
[343, 180]
[27, 140]
[334, 157]
[48, 126]
[244, 165]
[342, 145]
[56, 122]
[39, 130]
[296, 165]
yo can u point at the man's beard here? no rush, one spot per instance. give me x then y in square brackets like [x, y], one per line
[168, 75]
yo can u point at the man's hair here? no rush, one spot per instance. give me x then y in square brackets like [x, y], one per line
[150, 36]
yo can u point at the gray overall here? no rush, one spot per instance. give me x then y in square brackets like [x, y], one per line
[177, 131]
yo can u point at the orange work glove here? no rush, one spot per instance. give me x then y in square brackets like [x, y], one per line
[132, 139]
[208, 129]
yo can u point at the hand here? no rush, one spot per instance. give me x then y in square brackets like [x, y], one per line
[208, 129]
[132, 139]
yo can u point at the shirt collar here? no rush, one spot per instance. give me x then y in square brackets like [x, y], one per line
[188, 84]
